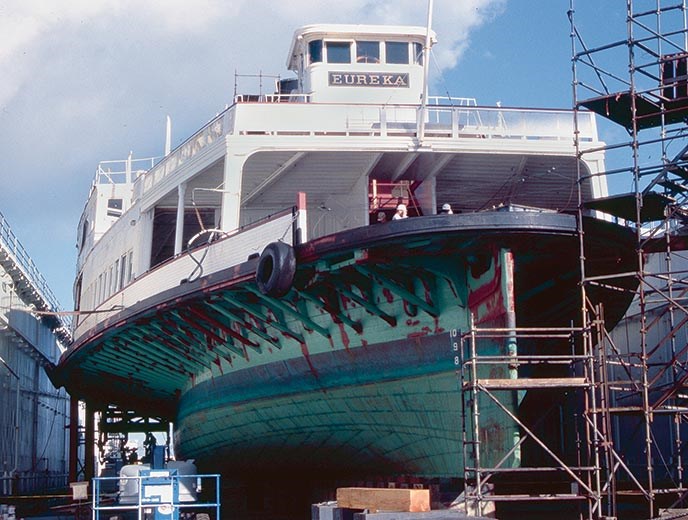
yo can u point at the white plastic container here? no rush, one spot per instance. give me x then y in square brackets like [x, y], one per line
[129, 487]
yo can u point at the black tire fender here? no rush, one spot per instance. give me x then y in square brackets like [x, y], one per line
[276, 269]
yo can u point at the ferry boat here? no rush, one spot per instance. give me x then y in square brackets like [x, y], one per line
[254, 286]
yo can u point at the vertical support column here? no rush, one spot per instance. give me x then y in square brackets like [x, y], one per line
[35, 461]
[426, 195]
[478, 504]
[143, 254]
[507, 262]
[16, 431]
[179, 229]
[598, 377]
[638, 169]
[231, 196]
[301, 230]
[89, 443]
[383, 122]
[73, 438]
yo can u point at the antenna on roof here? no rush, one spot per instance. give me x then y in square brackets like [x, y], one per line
[426, 61]
[168, 136]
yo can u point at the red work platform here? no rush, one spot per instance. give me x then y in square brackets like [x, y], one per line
[618, 108]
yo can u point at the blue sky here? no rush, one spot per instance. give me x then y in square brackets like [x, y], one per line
[90, 80]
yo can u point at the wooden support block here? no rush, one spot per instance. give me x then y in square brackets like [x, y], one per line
[384, 499]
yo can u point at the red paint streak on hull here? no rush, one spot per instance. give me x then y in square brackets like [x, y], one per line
[494, 308]
[485, 291]
[218, 362]
[307, 357]
[487, 302]
[345, 337]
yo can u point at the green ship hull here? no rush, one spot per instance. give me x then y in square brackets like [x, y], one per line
[355, 369]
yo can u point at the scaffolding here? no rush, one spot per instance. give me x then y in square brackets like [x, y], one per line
[557, 377]
[640, 83]
[621, 396]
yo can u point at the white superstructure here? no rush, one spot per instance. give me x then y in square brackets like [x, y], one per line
[333, 62]
[352, 133]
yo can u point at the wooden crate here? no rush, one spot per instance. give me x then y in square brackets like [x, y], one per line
[384, 499]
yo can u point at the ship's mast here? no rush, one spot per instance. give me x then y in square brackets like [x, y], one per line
[426, 62]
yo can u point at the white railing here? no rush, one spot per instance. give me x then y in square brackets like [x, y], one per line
[120, 171]
[272, 98]
[507, 123]
[20, 257]
[445, 118]
[452, 101]
[452, 122]
[159, 490]
[202, 139]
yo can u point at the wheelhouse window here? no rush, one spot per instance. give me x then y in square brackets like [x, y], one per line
[315, 51]
[368, 52]
[338, 52]
[397, 52]
[417, 54]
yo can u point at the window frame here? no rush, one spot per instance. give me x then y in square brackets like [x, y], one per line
[321, 55]
[391, 44]
[371, 58]
[418, 50]
[335, 43]
[115, 207]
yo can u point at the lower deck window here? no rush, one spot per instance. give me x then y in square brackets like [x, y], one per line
[164, 230]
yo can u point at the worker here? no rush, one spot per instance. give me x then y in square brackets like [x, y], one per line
[446, 209]
[401, 212]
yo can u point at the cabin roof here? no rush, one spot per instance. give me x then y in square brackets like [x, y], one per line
[405, 32]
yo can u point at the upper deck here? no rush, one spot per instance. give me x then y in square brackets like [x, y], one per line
[448, 128]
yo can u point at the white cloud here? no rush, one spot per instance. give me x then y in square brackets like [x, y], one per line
[30, 26]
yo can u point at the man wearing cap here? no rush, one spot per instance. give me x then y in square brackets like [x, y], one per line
[446, 209]
[401, 212]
